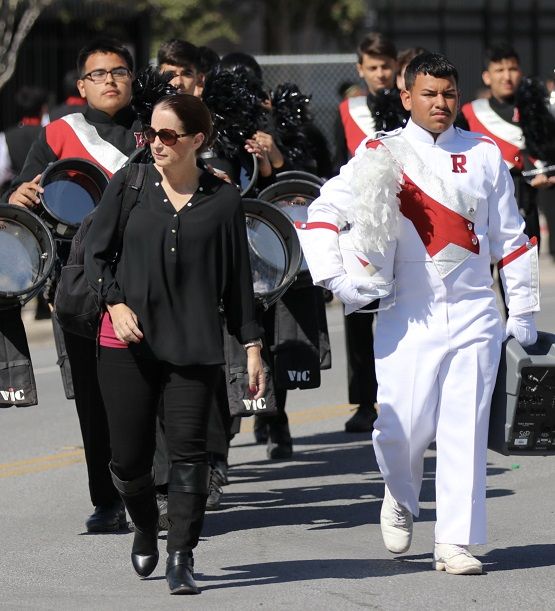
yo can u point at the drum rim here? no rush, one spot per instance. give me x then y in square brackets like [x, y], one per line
[46, 244]
[59, 166]
[301, 175]
[254, 177]
[290, 240]
[287, 187]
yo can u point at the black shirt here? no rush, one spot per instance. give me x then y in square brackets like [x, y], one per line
[176, 268]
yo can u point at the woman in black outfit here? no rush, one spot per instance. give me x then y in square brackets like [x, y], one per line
[184, 258]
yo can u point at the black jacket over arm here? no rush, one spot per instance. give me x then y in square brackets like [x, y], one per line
[176, 268]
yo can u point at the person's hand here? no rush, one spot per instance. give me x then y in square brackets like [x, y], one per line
[27, 193]
[125, 323]
[219, 173]
[268, 145]
[348, 291]
[255, 369]
[523, 328]
[541, 181]
[264, 165]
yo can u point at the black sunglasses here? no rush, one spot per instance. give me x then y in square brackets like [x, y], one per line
[167, 136]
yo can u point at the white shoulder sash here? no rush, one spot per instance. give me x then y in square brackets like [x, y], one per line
[106, 153]
[361, 115]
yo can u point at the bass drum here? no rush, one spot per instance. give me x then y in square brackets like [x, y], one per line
[293, 197]
[26, 255]
[243, 171]
[72, 189]
[274, 248]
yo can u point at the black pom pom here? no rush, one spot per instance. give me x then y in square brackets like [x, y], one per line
[290, 112]
[537, 123]
[234, 99]
[149, 86]
[388, 110]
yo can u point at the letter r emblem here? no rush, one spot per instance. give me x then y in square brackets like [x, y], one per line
[459, 161]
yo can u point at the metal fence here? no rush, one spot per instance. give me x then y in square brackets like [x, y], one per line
[317, 75]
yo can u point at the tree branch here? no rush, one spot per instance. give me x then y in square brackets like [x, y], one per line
[13, 38]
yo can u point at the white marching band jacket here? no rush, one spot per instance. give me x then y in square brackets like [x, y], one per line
[456, 192]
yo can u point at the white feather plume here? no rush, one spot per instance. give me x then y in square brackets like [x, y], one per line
[374, 214]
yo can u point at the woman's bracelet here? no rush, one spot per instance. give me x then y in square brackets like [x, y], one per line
[254, 342]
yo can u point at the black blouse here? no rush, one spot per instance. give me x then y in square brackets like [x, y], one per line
[176, 268]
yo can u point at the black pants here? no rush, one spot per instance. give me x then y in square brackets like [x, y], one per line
[361, 369]
[92, 418]
[131, 388]
[219, 433]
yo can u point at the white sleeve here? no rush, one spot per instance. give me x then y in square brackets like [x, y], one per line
[327, 215]
[516, 256]
[6, 172]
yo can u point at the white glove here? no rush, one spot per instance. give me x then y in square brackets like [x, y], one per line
[348, 291]
[523, 328]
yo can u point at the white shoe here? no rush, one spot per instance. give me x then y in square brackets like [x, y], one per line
[396, 523]
[455, 559]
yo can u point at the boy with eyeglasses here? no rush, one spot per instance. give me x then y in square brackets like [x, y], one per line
[106, 134]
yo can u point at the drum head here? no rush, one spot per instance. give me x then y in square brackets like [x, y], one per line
[275, 252]
[293, 197]
[243, 170]
[26, 255]
[72, 189]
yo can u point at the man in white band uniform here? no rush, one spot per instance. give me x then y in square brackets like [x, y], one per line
[437, 349]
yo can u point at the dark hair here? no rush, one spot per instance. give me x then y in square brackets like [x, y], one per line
[208, 58]
[103, 45]
[30, 100]
[231, 61]
[499, 52]
[178, 52]
[193, 114]
[433, 64]
[375, 43]
[69, 83]
[405, 56]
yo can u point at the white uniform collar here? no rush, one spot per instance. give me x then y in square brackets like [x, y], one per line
[415, 132]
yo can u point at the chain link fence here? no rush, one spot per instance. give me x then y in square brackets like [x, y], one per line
[317, 75]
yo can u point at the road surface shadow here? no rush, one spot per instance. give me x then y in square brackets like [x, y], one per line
[290, 571]
[338, 486]
[520, 557]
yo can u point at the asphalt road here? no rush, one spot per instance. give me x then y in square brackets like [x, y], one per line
[293, 534]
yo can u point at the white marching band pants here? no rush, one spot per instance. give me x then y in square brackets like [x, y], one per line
[437, 353]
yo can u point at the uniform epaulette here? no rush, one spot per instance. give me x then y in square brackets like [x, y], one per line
[381, 135]
[474, 136]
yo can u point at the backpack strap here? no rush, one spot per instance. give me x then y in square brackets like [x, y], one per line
[132, 187]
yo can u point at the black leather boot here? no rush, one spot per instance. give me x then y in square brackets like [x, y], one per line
[107, 518]
[362, 421]
[179, 573]
[187, 493]
[139, 496]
